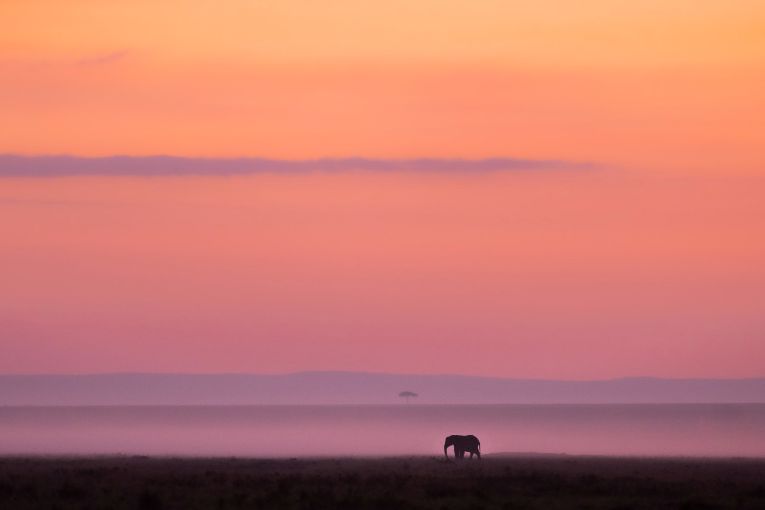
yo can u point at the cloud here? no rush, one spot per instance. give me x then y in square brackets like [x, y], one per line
[103, 59]
[148, 166]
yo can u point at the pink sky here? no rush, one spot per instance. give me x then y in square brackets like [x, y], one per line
[548, 274]
[649, 263]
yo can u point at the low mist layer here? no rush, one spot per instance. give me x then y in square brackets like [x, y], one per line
[299, 431]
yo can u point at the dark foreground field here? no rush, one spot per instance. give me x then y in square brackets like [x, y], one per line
[385, 483]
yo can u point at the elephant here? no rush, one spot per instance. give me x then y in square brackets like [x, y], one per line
[463, 444]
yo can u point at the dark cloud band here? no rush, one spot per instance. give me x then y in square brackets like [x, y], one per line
[147, 166]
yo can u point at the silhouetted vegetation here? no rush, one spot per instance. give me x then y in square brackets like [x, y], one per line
[417, 482]
[407, 395]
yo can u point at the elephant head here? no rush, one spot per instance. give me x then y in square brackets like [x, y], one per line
[447, 443]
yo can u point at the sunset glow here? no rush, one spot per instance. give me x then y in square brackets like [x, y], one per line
[640, 252]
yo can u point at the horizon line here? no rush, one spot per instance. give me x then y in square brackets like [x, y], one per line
[352, 372]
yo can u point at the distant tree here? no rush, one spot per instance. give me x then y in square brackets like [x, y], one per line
[407, 395]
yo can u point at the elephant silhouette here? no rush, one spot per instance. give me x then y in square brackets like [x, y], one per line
[463, 444]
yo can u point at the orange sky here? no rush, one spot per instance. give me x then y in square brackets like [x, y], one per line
[648, 264]
[676, 84]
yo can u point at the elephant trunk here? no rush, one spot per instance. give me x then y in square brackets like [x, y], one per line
[446, 454]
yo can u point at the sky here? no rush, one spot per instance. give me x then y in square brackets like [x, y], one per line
[550, 189]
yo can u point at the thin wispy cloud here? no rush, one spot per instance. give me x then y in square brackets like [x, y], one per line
[103, 59]
[148, 166]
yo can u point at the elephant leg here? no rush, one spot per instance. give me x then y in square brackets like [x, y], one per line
[471, 455]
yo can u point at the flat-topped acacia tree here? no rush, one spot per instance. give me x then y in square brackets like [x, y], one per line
[407, 395]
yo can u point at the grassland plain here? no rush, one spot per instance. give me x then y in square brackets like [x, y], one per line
[496, 482]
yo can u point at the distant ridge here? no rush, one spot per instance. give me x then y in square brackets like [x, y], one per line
[323, 388]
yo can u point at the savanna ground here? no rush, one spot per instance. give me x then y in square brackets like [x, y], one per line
[501, 482]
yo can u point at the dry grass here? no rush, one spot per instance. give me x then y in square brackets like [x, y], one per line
[500, 482]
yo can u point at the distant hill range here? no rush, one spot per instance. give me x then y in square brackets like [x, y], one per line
[361, 388]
